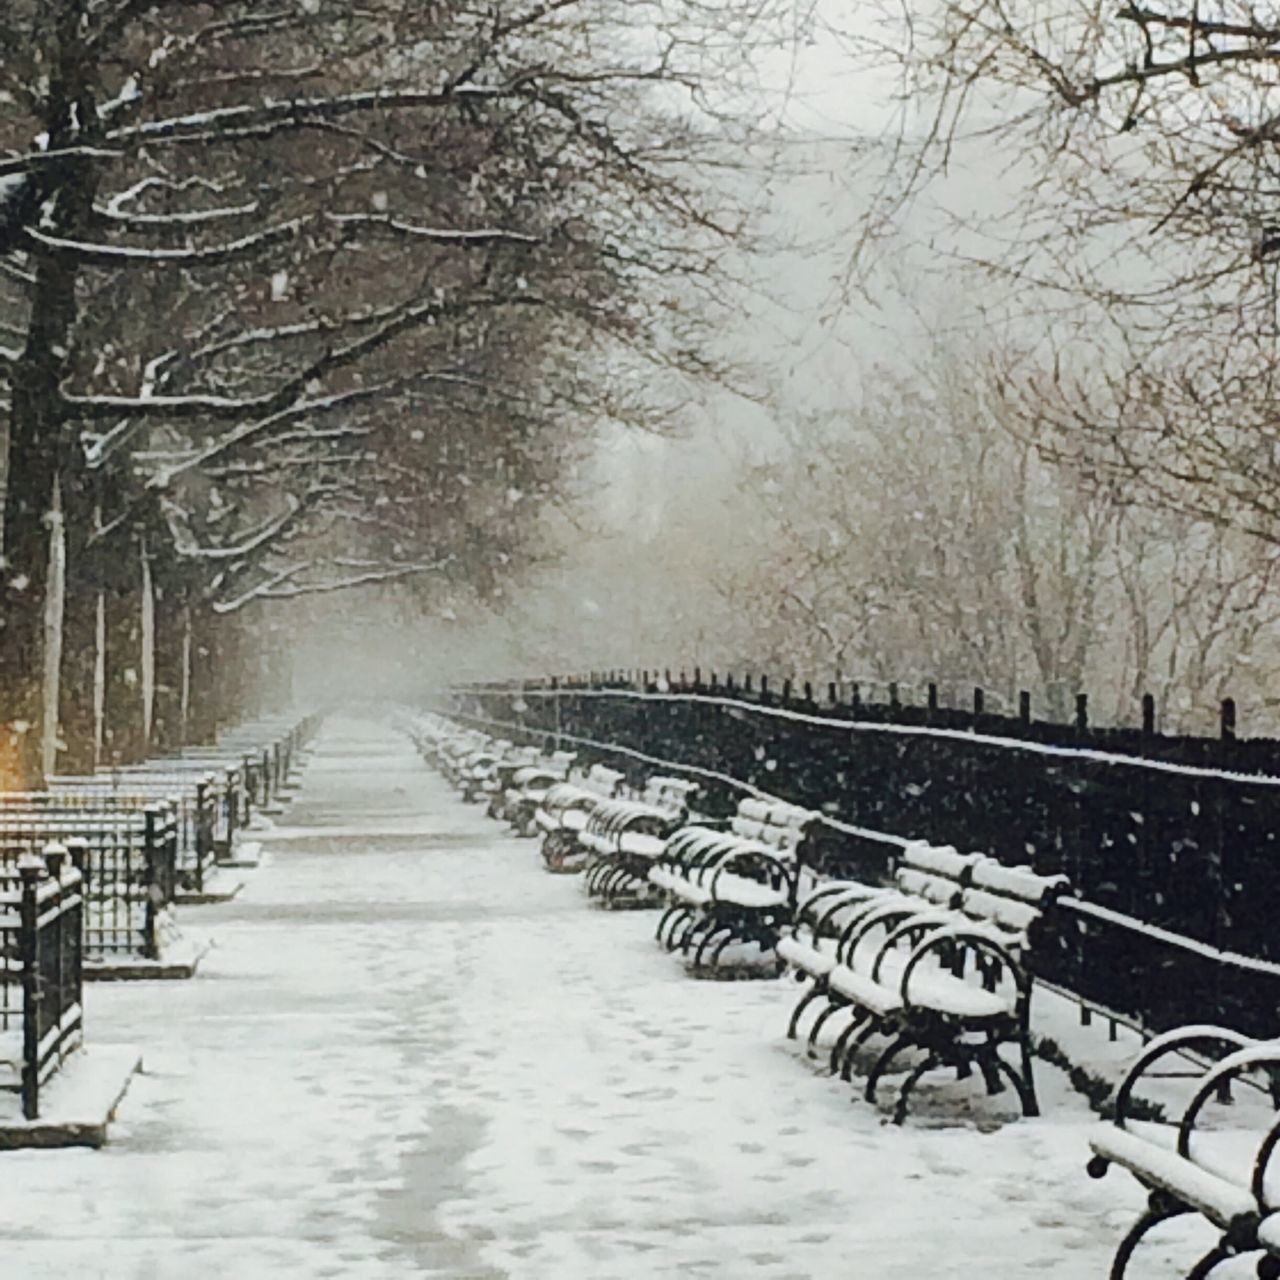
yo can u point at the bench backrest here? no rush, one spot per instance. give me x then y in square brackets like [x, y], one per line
[771, 822]
[1009, 898]
[602, 780]
[668, 793]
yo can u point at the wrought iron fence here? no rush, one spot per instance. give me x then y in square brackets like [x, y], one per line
[1172, 857]
[41, 1013]
[129, 863]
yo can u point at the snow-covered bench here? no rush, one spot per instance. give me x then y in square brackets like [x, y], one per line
[527, 788]
[623, 838]
[935, 963]
[494, 785]
[563, 814]
[1198, 1163]
[730, 892]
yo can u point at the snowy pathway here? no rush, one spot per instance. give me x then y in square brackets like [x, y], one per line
[379, 1074]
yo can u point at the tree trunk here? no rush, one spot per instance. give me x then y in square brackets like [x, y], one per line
[202, 702]
[168, 730]
[124, 729]
[77, 697]
[79, 663]
[39, 438]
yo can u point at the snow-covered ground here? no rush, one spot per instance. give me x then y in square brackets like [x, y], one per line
[414, 1053]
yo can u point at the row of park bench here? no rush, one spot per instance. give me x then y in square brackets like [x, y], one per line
[937, 961]
[92, 868]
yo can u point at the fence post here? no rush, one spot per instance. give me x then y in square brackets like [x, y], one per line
[932, 698]
[979, 704]
[250, 790]
[1082, 712]
[30, 868]
[55, 858]
[1148, 716]
[894, 704]
[1024, 707]
[150, 938]
[204, 833]
[831, 692]
[855, 697]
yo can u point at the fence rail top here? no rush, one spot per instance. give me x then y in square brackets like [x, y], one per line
[836, 824]
[1089, 754]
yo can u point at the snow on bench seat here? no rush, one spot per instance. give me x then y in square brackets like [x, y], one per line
[744, 892]
[808, 957]
[675, 884]
[1269, 1234]
[1219, 1199]
[1213, 1157]
[641, 845]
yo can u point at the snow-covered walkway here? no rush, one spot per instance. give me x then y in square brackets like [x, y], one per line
[414, 1053]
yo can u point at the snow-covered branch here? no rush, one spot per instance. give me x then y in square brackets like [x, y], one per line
[437, 235]
[113, 255]
[186, 545]
[283, 585]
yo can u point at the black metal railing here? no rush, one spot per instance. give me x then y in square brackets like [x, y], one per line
[129, 864]
[41, 1012]
[201, 801]
[1173, 861]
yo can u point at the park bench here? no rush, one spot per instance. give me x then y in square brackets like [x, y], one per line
[935, 963]
[41, 931]
[496, 784]
[128, 857]
[1199, 1162]
[730, 891]
[446, 747]
[565, 810]
[479, 766]
[528, 788]
[624, 836]
[448, 752]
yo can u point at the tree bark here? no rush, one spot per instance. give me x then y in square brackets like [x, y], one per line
[202, 703]
[124, 731]
[168, 730]
[39, 438]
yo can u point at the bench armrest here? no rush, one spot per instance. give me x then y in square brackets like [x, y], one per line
[1177, 1041]
[757, 860]
[1234, 1065]
[972, 940]
[890, 909]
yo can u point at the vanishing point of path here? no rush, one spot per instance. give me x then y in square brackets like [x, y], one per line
[412, 1052]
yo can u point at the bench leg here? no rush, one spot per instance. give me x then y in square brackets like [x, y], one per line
[664, 924]
[696, 927]
[1210, 1260]
[680, 925]
[900, 1110]
[882, 1065]
[1160, 1208]
[842, 1041]
[726, 939]
[815, 990]
[865, 1034]
[819, 1022]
